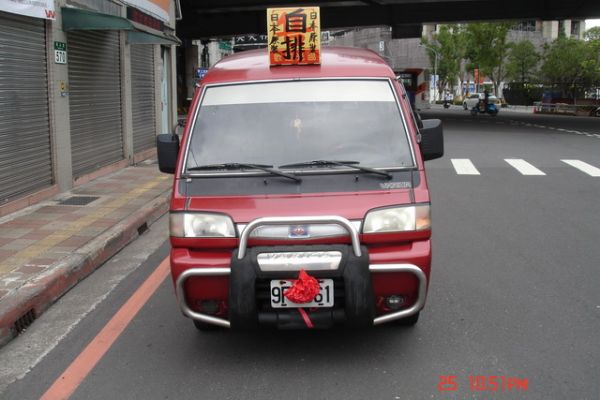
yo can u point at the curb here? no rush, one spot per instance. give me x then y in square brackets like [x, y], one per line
[33, 298]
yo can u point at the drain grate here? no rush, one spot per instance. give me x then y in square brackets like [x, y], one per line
[78, 200]
[142, 228]
[23, 322]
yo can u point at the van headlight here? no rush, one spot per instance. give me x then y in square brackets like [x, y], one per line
[194, 225]
[398, 219]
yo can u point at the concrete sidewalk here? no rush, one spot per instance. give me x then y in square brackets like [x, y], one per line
[47, 248]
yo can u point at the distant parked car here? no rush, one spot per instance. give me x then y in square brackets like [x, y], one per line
[473, 99]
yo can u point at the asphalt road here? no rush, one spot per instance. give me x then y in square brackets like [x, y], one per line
[514, 293]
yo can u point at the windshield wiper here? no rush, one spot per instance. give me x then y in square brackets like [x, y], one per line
[349, 164]
[262, 167]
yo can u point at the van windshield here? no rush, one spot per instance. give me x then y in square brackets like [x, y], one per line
[287, 122]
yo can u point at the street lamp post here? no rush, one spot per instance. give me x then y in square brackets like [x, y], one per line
[435, 63]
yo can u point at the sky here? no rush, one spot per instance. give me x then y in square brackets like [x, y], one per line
[590, 23]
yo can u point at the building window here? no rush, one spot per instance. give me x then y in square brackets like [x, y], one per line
[575, 28]
[528, 25]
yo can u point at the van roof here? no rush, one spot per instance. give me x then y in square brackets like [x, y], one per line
[253, 65]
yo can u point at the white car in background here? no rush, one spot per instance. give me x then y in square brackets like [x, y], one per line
[474, 98]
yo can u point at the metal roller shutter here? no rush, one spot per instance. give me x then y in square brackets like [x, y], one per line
[94, 100]
[143, 97]
[25, 159]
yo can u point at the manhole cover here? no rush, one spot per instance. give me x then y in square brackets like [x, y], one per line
[78, 200]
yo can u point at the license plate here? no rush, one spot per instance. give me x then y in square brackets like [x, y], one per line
[323, 299]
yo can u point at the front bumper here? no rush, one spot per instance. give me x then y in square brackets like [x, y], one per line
[373, 268]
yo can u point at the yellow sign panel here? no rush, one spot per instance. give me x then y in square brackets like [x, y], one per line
[294, 35]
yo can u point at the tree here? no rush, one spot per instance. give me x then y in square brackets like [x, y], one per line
[571, 65]
[592, 34]
[448, 45]
[487, 48]
[592, 37]
[522, 60]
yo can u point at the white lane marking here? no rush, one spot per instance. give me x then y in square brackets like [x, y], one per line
[523, 166]
[583, 166]
[464, 166]
[583, 133]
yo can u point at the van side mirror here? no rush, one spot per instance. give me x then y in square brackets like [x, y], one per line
[168, 148]
[432, 139]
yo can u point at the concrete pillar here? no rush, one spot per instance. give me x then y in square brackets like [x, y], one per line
[58, 96]
[192, 55]
[126, 109]
[173, 88]
[157, 92]
[428, 30]
[567, 27]
[550, 30]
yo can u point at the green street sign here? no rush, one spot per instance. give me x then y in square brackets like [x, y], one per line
[60, 53]
[60, 46]
[225, 46]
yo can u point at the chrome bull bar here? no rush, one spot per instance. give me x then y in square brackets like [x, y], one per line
[187, 311]
[374, 268]
[422, 295]
[330, 219]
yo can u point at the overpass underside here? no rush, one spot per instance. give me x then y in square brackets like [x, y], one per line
[211, 18]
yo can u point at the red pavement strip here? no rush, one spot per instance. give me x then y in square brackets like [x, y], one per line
[79, 369]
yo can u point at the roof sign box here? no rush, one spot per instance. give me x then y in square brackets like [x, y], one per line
[294, 36]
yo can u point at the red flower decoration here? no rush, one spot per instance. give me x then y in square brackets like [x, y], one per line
[304, 289]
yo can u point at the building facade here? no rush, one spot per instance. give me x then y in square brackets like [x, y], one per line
[199, 56]
[85, 87]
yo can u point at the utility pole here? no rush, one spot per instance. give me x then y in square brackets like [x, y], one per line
[435, 64]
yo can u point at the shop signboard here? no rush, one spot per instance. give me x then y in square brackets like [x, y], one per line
[155, 8]
[32, 8]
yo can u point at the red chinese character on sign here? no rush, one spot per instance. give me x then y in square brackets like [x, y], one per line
[295, 21]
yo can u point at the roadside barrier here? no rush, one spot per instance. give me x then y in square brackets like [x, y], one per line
[563, 108]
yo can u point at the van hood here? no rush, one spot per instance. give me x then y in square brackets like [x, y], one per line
[353, 206]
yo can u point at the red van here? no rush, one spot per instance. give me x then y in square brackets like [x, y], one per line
[300, 198]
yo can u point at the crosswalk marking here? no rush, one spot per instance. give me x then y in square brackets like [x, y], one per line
[464, 166]
[583, 166]
[523, 166]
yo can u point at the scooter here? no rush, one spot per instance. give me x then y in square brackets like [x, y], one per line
[491, 109]
[446, 103]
